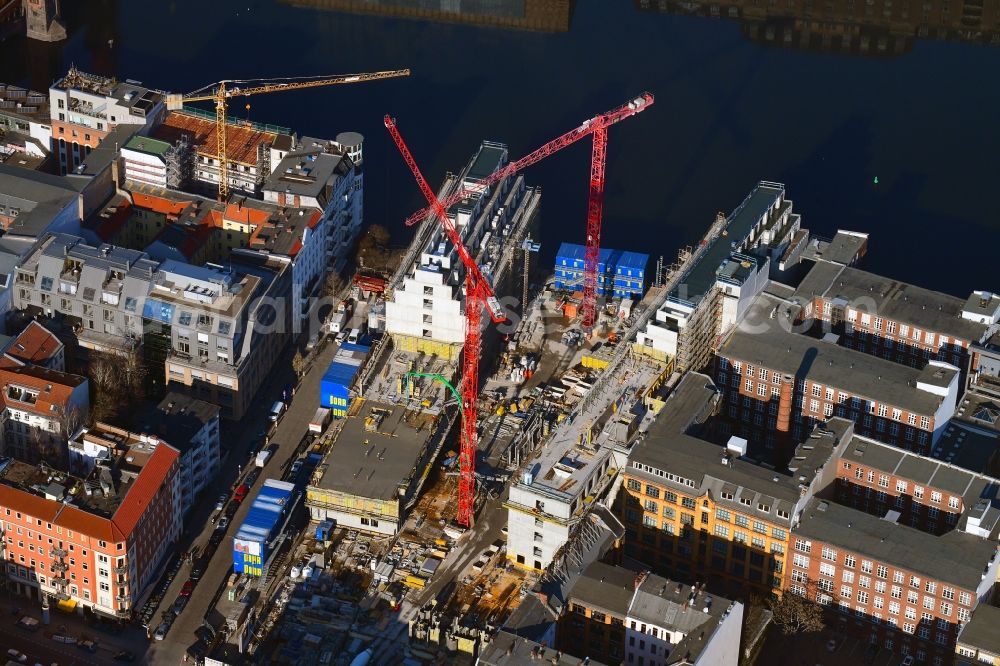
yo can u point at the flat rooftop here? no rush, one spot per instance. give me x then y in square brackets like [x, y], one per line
[178, 418]
[701, 277]
[604, 587]
[376, 463]
[981, 631]
[488, 159]
[844, 248]
[954, 557]
[922, 470]
[669, 448]
[306, 170]
[892, 299]
[829, 364]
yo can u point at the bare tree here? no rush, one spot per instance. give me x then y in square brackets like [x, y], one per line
[117, 379]
[795, 614]
[298, 363]
[333, 283]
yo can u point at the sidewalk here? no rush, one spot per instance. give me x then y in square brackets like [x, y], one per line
[110, 637]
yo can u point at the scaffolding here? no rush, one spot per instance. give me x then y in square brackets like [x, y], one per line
[179, 160]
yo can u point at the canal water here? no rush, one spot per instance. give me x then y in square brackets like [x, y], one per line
[903, 146]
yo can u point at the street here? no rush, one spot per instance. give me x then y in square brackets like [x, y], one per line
[291, 428]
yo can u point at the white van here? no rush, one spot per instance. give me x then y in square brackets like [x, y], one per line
[276, 409]
[354, 336]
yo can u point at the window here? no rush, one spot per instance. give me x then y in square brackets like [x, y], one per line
[848, 577]
[849, 561]
[918, 492]
[947, 593]
[722, 514]
[827, 570]
[915, 582]
[800, 561]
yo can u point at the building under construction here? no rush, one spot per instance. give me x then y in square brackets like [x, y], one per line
[425, 312]
[715, 291]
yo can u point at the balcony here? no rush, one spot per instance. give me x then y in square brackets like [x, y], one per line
[122, 569]
[59, 581]
[60, 567]
[58, 552]
[123, 613]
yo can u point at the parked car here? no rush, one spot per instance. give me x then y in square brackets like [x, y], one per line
[124, 655]
[187, 588]
[88, 645]
[277, 409]
[161, 631]
[197, 571]
[17, 655]
[221, 504]
[179, 604]
[241, 493]
[296, 466]
[252, 476]
[223, 524]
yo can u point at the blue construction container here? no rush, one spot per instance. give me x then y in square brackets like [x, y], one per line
[260, 527]
[334, 387]
[619, 273]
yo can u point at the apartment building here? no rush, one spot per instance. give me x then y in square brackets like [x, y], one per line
[715, 292]
[614, 615]
[895, 586]
[149, 161]
[894, 320]
[254, 149]
[324, 175]
[978, 641]
[426, 312]
[192, 427]
[780, 384]
[85, 108]
[704, 511]
[94, 542]
[25, 124]
[41, 409]
[210, 326]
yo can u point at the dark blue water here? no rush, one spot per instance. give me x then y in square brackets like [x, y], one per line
[728, 113]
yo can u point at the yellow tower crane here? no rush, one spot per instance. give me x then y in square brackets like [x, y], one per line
[223, 90]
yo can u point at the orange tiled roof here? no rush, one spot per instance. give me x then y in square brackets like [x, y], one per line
[241, 141]
[36, 344]
[159, 204]
[54, 388]
[146, 485]
[120, 526]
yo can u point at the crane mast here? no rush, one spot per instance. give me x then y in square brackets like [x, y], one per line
[478, 294]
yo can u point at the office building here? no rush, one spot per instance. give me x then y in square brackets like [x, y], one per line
[373, 475]
[897, 587]
[780, 384]
[705, 511]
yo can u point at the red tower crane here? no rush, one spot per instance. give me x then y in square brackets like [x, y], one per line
[478, 294]
[597, 127]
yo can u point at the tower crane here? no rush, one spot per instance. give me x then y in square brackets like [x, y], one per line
[478, 294]
[222, 91]
[596, 127]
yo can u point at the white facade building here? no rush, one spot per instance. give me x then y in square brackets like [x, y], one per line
[325, 175]
[547, 502]
[670, 623]
[427, 309]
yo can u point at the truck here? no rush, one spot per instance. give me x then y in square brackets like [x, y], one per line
[319, 420]
[340, 316]
[263, 457]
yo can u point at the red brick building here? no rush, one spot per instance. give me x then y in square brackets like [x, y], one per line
[94, 542]
[892, 585]
[780, 384]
